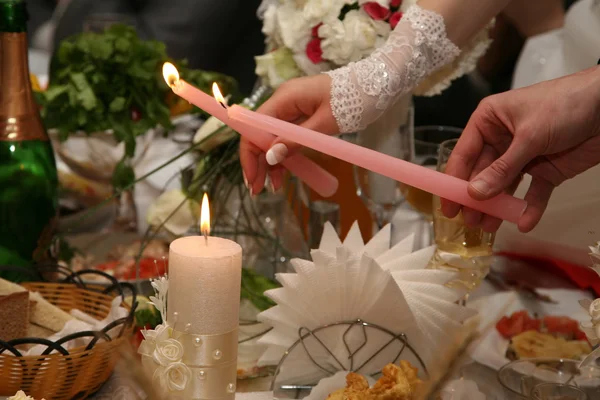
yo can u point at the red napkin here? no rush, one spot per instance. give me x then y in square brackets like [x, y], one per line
[585, 278]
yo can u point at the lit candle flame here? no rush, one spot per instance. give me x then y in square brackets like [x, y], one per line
[218, 96]
[170, 74]
[205, 216]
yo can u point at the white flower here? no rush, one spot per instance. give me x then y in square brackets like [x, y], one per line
[167, 352]
[293, 27]
[175, 377]
[351, 39]
[277, 67]
[210, 138]
[316, 11]
[308, 67]
[269, 20]
[175, 211]
[158, 334]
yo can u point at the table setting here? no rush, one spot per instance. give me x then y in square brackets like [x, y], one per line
[164, 277]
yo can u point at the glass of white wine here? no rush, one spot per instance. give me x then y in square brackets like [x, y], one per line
[427, 143]
[459, 248]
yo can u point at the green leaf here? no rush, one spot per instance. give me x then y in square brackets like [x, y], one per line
[100, 48]
[123, 45]
[118, 104]
[123, 176]
[146, 317]
[54, 92]
[86, 95]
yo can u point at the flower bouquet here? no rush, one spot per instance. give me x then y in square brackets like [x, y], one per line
[307, 37]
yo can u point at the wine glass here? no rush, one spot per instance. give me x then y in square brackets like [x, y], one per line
[465, 250]
[381, 194]
[557, 391]
[427, 141]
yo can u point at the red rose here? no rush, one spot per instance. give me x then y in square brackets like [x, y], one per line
[376, 11]
[395, 18]
[315, 30]
[395, 3]
[314, 51]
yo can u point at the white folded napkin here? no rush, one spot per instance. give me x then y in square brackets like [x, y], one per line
[84, 322]
[461, 389]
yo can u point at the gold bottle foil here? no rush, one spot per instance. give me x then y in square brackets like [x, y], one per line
[19, 116]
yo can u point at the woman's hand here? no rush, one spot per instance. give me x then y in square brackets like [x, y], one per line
[303, 101]
[550, 130]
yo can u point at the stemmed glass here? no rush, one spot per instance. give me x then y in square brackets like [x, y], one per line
[459, 248]
[383, 195]
[427, 141]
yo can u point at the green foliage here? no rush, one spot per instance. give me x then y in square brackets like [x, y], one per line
[147, 317]
[254, 286]
[113, 81]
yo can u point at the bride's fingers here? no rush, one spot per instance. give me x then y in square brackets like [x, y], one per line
[249, 154]
[321, 121]
[276, 178]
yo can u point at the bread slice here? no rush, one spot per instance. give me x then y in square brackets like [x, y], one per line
[35, 331]
[43, 313]
[14, 316]
[47, 315]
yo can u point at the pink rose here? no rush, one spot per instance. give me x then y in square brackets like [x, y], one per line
[315, 30]
[314, 51]
[395, 18]
[395, 3]
[376, 11]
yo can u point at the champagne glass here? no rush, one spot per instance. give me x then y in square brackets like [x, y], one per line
[465, 250]
[427, 141]
[392, 135]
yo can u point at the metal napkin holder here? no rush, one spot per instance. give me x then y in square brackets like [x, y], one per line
[305, 333]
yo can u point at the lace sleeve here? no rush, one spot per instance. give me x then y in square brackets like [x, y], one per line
[362, 91]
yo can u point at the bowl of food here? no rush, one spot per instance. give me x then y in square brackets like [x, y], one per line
[519, 378]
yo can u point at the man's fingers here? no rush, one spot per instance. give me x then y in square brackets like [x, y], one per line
[501, 174]
[486, 157]
[537, 198]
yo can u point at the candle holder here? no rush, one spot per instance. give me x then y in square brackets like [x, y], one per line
[187, 365]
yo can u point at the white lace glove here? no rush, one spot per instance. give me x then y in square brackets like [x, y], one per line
[362, 91]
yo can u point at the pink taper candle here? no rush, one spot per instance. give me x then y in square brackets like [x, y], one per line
[305, 169]
[503, 206]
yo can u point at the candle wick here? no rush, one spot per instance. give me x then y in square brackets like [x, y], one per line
[223, 105]
[205, 237]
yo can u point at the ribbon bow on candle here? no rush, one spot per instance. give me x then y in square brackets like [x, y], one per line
[305, 169]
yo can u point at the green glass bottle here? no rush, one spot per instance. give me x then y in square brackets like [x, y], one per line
[28, 177]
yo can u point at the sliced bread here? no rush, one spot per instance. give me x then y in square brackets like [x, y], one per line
[47, 315]
[14, 316]
[35, 331]
[43, 313]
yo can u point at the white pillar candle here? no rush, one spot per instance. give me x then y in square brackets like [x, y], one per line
[204, 285]
[205, 275]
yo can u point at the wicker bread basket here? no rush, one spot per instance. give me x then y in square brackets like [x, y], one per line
[76, 373]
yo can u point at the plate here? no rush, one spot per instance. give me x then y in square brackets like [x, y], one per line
[490, 348]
